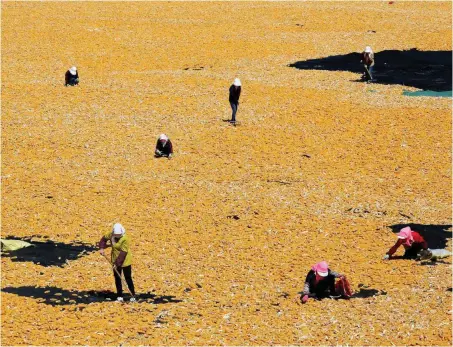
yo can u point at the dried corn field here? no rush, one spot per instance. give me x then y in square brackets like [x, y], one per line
[320, 168]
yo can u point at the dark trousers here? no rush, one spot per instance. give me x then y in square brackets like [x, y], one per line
[324, 288]
[128, 276]
[411, 253]
[234, 107]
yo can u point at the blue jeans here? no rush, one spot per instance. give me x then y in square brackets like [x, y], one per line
[370, 70]
[234, 107]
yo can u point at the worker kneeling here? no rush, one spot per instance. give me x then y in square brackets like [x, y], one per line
[71, 77]
[412, 242]
[121, 258]
[164, 147]
[320, 283]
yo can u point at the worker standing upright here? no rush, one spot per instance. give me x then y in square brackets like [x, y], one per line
[121, 258]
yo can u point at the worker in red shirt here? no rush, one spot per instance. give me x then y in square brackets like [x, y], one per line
[412, 242]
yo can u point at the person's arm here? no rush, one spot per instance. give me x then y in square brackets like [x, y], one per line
[120, 260]
[124, 248]
[103, 244]
[239, 93]
[158, 149]
[308, 279]
[395, 247]
[66, 77]
[170, 147]
[306, 292]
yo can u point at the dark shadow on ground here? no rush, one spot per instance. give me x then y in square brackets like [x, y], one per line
[364, 292]
[435, 235]
[48, 253]
[367, 293]
[432, 262]
[428, 70]
[57, 297]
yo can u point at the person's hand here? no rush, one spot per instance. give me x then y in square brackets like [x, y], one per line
[170, 155]
[341, 277]
[305, 298]
[386, 257]
[158, 152]
[102, 251]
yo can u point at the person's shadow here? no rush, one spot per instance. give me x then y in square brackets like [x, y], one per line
[363, 293]
[48, 253]
[55, 296]
[428, 70]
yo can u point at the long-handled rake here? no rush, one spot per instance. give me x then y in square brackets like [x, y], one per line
[368, 74]
[121, 278]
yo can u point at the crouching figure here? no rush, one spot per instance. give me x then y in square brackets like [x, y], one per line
[412, 242]
[71, 78]
[320, 283]
[164, 147]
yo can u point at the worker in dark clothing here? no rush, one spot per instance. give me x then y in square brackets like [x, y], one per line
[320, 282]
[412, 242]
[367, 59]
[235, 93]
[164, 147]
[71, 77]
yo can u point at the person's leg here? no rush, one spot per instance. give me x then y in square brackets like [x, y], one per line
[234, 107]
[119, 287]
[410, 253]
[128, 276]
[370, 69]
[367, 72]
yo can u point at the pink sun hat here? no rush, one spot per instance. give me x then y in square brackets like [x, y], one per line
[321, 268]
[405, 233]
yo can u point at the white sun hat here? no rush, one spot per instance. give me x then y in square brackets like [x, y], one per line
[73, 70]
[118, 229]
[237, 82]
[163, 137]
[368, 49]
